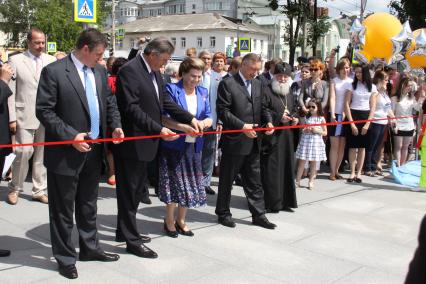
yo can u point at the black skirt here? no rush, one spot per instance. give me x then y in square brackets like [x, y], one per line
[338, 129]
[359, 141]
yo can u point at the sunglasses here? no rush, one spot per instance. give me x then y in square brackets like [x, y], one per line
[314, 69]
[312, 107]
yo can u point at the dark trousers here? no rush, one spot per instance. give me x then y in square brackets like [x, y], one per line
[130, 176]
[249, 167]
[80, 191]
[375, 137]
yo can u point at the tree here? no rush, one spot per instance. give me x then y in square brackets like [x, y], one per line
[54, 17]
[296, 12]
[318, 27]
[411, 10]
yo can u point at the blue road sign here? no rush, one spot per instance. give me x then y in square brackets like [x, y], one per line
[85, 11]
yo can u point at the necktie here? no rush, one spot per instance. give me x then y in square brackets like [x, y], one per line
[39, 66]
[93, 108]
[248, 85]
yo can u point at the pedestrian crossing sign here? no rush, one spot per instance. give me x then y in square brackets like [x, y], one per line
[244, 44]
[85, 11]
[51, 47]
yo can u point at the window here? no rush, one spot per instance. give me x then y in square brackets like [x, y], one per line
[199, 42]
[193, 6]
[132, 42]
[151, 13]
[172, 9]
[214, 6]
[182, 42]
[181, 9]
[254, 44]
[121, 12]
[173, 41]
[159, 12]
[212, 41]
[261, 45]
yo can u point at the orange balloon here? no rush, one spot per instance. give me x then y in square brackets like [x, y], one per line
[416, 61]
[380, 28]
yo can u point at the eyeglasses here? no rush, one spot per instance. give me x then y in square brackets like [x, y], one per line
[312, 107]
[314, 69]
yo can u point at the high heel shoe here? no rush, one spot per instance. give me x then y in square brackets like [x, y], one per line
[111, 180]
[172, 234]
[311, 185]
[297, 184]
[179, 229]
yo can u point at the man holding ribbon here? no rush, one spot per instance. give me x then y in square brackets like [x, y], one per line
[74, 102]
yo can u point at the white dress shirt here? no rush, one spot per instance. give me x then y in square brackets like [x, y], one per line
[154, 81]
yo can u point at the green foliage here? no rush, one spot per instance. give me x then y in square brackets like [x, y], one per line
[317, 29]
[412, 10]
[54, 17]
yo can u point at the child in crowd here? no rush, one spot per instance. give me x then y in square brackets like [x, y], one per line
[311, 146]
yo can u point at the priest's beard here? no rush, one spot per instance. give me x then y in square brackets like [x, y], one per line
[282, 89]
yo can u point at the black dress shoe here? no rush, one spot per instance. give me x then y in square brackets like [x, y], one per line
[288, 209]
[170, 233]
[4, 252]
[146, 200]
[69, 271]
[142, 251]
[105, 257]
[227, 222]
[272, 211]
[144, 239]
[179, 229]
[262, 221]
[209, 190]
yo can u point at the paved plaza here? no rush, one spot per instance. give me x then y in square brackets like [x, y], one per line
[341, 233]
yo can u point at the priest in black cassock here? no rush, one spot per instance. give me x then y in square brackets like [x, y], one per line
[277, 151]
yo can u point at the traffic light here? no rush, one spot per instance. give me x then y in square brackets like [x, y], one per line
[111, 48]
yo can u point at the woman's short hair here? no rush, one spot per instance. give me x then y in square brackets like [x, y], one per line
[190, 63]
[341, 64]
[219, 55]
[380, 75]
[316, 63]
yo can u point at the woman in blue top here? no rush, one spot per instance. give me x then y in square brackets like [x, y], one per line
[180, 160]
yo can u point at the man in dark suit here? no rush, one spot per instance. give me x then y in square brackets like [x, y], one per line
[6, 73]
[239, 105]
[141, 100]
[74, 102]
[417, 271]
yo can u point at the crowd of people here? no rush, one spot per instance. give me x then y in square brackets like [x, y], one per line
[80, 97]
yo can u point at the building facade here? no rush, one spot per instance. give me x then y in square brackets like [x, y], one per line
[209, 31]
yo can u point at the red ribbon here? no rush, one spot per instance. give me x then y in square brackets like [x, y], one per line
[68, 142]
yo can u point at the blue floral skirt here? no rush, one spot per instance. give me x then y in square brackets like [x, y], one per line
[181, 177]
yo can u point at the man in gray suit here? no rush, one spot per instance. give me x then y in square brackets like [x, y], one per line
[23, 122]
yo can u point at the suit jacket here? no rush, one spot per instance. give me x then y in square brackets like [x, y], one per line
[235, 108]
[5, 92]
[63, 110]
[141, 110]
[265, 78]
[177, 93]
[22, 104]
[215, 79]
[417, 271]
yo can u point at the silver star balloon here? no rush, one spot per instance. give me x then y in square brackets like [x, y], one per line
[402, 41]
[357, 32]
[420, 48]
[358, 56]
[405, 66]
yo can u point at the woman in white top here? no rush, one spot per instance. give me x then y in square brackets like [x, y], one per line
[360, 104]
[403, 104]
[378, 127]
[338, 87]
